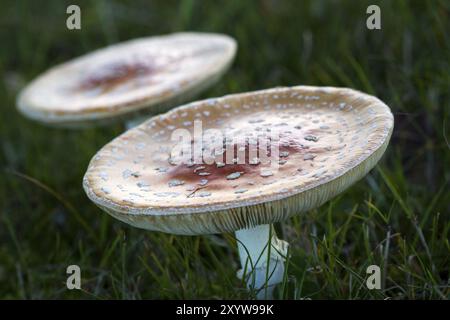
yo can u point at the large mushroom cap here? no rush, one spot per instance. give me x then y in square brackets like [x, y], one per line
[148, 75]
[328, 139]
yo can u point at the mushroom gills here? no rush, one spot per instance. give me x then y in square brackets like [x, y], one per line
[262, 257]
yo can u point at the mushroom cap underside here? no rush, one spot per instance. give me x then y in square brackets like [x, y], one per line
[146, 75]
[327, 138]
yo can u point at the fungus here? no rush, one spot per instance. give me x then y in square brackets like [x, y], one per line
[349, 134]
[128, 81]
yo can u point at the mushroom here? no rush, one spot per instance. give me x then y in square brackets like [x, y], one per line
[328, 138]
[128, 80]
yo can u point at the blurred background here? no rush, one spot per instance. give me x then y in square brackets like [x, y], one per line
[397, 217]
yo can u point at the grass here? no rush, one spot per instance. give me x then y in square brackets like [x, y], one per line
[397, 217]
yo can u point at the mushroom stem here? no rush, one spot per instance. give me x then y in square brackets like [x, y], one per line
[134, 122]
[262, 257]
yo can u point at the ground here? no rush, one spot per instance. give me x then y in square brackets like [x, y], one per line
[397, 217]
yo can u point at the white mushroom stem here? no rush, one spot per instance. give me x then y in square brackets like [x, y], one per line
[262, 257]
[135, 122]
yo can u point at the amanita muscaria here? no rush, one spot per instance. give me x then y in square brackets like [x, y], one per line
[128, 80]
[328, 138]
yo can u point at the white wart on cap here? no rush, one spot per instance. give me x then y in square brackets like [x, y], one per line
[330, 138]
[147, 75]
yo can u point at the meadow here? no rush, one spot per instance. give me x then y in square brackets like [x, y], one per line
[397, 217]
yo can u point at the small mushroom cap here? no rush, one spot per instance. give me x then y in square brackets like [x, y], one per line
[329, 139]
[147, 75]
